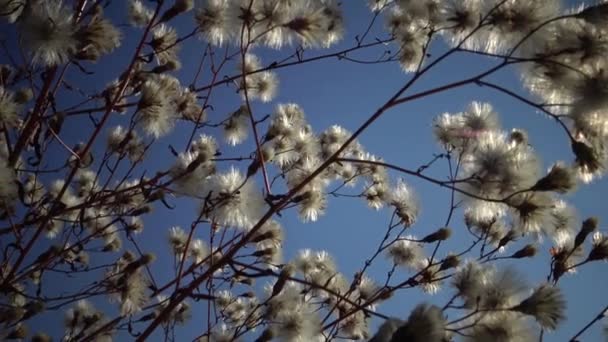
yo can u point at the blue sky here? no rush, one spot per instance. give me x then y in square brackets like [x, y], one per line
[333, 91]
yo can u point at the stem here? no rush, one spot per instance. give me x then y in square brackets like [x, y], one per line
[597, 317]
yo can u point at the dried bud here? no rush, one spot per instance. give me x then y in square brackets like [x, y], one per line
[51, 252]
[559, 179]
[81, 159]
[12, 314]
[600, 247]
[93, 318]
[589, 225]
[170, 65]
[266, 336]
[24, 95]
[147, 258]
[254, 167]
[140, 211]
[287, 272]
[586, 156]
[268, 153]
[246, 281]
[264, 252]
[451, 261]
[560, 267]
[527, 252]
[20, 332]
[179, 7]
[112, 245]
[33, 308]
[41, 337]
[519, 137]
[596, 14]
[156, 195]
[5, 71]
[194, 164]
[264, 236]
[128, 256]
[36, 276]
[425, 323]
[387, 329]
[506, 239]
[56, 122]
[439, 235]
[299, 25]
[248, 294]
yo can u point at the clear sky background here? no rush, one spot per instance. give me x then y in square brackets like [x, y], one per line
[333, 91]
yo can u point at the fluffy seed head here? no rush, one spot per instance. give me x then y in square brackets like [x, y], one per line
[546, 304]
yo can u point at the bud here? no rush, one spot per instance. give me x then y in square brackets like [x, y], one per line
[451, 261]
[440, 235]
[559, 179]
[527, 252]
